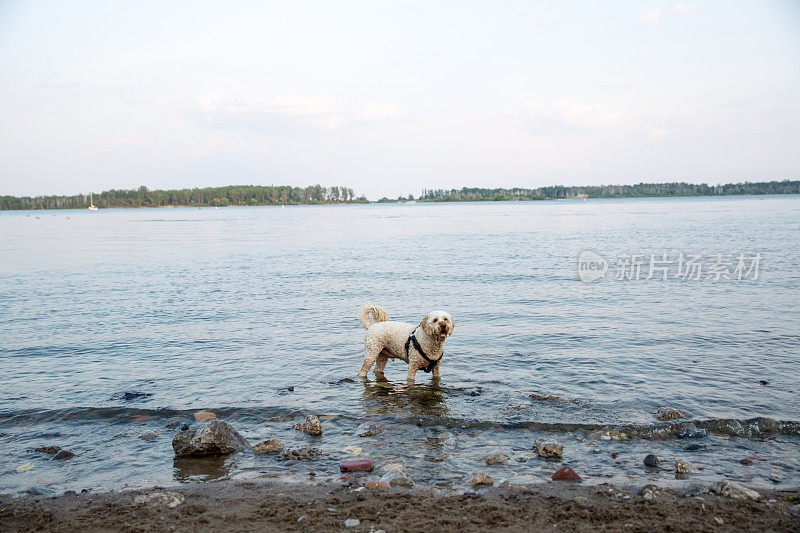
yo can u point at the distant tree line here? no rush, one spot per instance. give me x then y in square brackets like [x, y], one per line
[206, 197]
[474, 194]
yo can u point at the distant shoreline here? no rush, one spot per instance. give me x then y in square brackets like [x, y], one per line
[259, 196]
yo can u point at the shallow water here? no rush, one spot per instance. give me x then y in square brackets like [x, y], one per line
[118, 322]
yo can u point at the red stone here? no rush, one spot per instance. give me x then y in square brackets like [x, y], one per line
[355, 465]
[565, 473]
[614, 455]
[345, 478]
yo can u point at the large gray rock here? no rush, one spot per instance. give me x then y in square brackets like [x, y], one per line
[214, 438]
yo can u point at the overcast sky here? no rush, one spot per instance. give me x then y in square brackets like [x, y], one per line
[391, 97]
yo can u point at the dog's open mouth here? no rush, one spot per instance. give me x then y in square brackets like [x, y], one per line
[442, 335]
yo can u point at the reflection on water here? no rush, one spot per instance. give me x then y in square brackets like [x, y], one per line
[187, 469]
[382, 397]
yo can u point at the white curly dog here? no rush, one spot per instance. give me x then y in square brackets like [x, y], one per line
[419, 346]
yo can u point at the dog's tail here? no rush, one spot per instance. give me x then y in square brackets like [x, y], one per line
[379, 314]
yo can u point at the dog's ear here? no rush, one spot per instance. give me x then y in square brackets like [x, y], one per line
[452, 326]
[426, 324]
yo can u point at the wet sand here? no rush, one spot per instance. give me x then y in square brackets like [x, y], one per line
[249, 506]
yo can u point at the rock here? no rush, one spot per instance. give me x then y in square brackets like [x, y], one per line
[310, 425]
[481, 479]
[352, 522]
[397, 478]
[565, 473]
[649, 492]
[204, 416]
[356, 465]
[24, 468]
[609, 434]
[369, 430]
[669, 413]
[496, 459]
[376, 484]
[735, 491]
[269, 446]
[353, 450]
[694, 447]
[746, 461]
[548, 450]
[763, 382]
[160, 499]
[651, 460]
[214, 438]
[345, 478]
[148, 435]
[63, 455]
[50, 450]
[545, 397]
[301, 454]
[682, 466]
[795, 509]
[719, 520]
[392, 466]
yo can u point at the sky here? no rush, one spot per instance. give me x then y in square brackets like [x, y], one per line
[389, 98]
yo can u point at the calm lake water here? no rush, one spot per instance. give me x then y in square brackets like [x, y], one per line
[119, 322]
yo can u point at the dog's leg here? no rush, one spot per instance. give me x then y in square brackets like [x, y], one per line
[380, 363]
[370, 357]
[437, 374]
[412, 370]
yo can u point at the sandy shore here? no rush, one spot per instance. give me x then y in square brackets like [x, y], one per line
[248, 506]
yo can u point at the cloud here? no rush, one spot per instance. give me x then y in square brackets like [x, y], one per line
[379, 111]
[655, 16]
[542, 117]
[265, 113]
[683, 9]
[651, 18]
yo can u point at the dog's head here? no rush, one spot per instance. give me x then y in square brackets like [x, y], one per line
[438, 324]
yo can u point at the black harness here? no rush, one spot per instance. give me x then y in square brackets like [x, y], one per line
[431, 362]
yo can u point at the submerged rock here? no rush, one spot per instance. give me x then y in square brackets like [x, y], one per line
[310, 425]
[565, 473]
[214, 438]
[682, 466]
[735, 491]
[481, 479]
[609, 434]
[148, 435]
[204, 416]
[651, 460]
[496, 459]
[397, 478]
[301, 454]
[545, 397]
[376, 484]
[63, 455]
[356, 465]
[269, 446]
[352, 522]
[548, 449]
[369, 430]
[669, 413]
[24, 468]
[50, 450]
